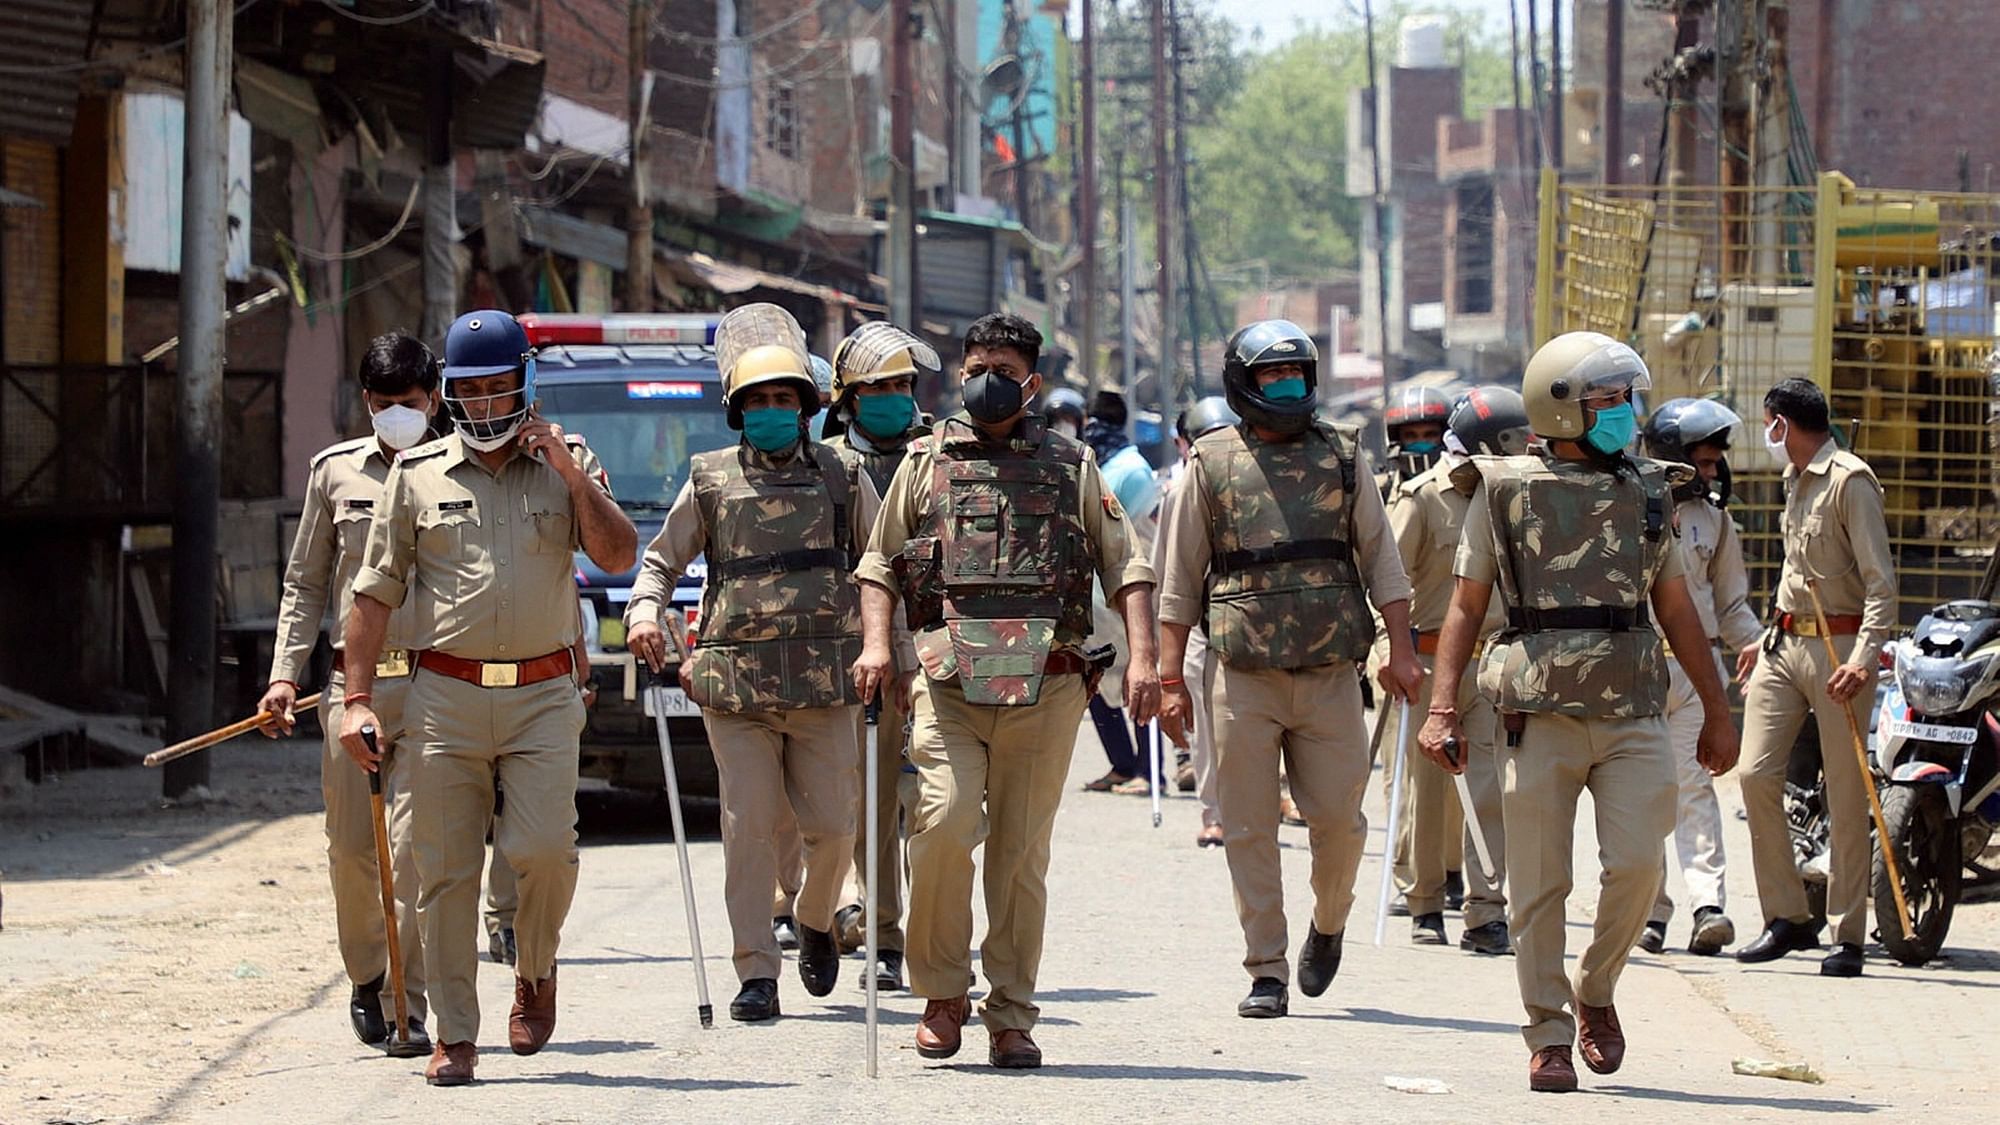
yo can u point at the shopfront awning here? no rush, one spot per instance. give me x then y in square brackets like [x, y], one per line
[672, 268]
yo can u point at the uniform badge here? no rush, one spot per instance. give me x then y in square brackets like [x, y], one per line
[1112, 508]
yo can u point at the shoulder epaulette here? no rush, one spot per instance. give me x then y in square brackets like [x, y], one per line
[340, 447]
[428, 449]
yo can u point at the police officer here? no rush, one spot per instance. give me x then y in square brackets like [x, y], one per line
[399, 384]
[1837, 538]
[1207, 415]
[477, 532]
[988, 537]
[1273, 545]
[1431, 826]
[780, 518]
[875, 417]
[1428, 515]
[1579, 536]
[1696, 432]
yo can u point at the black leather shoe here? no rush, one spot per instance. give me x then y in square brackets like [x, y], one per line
[819, 960]
[364, 1011]
[1490, 939]
[785, 931]
[1712, 931]
[1454, 890]
[1653, 939]
[1782, 936]
[419, 1046]
[1268, 999]
[757, 1001]
[1428, 929]
[500, 945]
[1399, 907]
[1844, 961]
[888, 971]
[1319, 960]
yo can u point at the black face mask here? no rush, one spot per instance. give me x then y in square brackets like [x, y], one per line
[991, 397]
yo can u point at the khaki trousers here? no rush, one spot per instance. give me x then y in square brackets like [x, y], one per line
[1430, 830]
[1311, 719]
[350, 846]
[1628, 767]
[1195, 668]
[774, 766]
[995, 775]
[1788, 684]
[1697, 814]
[468, 737]
[502, 896]
[1485, 899]
[890, 740]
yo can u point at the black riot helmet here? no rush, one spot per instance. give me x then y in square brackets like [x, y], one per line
[1490, 420]
[1064, 402]
[1409, 405]
[1677, 426]
[1268, 343]
[1212, 412]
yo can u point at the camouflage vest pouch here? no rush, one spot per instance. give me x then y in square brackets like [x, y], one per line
[781, 618]
[1283, 589]
[998, 576]
[1578, 548]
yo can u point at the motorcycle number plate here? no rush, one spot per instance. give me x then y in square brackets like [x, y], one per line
[678, 705]
[1933, 732]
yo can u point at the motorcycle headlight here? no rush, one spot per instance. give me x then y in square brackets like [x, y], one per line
[1939, 685]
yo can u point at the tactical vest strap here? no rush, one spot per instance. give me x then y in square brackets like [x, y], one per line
[1656, 514]
[1305, 550]
[779, 562]
[1592, 618]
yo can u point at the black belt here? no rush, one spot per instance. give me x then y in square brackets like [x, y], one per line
[1595, 618]
[780, 562]
[1304, 550]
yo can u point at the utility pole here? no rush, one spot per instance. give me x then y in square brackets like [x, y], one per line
[1522, 196]
[1086, 203]
[1184, 392]
[1128, 295]
[1379, 207]
[198, 424]
[1535, 82]
[1682, 91]
[639, 222]
[1735, 46]
[1556, 138]
[1614, 90]
[1163, 218]
[440, 203]
[902, 268]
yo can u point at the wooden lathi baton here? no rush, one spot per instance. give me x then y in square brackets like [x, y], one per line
[224, 734]
[401, 1042]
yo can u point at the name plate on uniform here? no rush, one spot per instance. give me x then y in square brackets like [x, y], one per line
[676, 702]
[395, 662]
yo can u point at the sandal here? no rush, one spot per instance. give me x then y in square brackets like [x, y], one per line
[1290, 814]
[1106, 783]
[1136, 787]
[1209, 837]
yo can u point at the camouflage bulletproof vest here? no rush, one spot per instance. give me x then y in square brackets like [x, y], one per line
[1577, 547]
[780, 614]
[998, 572]
[879, 462]
[1283, 591]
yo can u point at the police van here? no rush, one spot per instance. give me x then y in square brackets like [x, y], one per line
[644, 392]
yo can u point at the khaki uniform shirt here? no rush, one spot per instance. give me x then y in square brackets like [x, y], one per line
[1712, 550]
[1188, 527]
[342, 494]
[1427, 516]
[1835, 532]
[1476, 560]
[486, 559]
[1114, 547]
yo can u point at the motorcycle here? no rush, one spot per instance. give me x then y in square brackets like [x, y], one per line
[1937, 744]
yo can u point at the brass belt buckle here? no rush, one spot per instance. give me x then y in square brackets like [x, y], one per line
[499, 675]
[395, 662]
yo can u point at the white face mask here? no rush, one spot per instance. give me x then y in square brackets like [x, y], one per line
[1775, 442]
[1065, 427]
[400, 427]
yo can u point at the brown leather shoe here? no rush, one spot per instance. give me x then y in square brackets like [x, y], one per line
[1014, 1050]
[533, 1018]
[1599, 1038]
[941, 1030]
[451, 1064]
[1551, 1072]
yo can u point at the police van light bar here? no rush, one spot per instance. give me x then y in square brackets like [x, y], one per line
[582, 328]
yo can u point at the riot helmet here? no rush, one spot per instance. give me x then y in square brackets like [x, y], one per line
[1489, 420]
[478, 344]
[1207, 415]
[1064, 404]
[1571, 368]
[762, 343]
[1683, 423]
[876, 352]
[1270, 343]
[1410, 406]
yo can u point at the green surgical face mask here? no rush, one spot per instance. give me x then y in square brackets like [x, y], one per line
[772, 428]
[885, 415]
[1289, 389]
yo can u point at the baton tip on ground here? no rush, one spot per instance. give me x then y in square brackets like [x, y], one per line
[707, 1017]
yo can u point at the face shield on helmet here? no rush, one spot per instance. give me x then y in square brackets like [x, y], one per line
[1415, 408]
[1569, 386]
[478, 346]
[1678, 427]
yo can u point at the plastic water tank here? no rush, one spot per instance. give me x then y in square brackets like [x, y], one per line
[1422, 46]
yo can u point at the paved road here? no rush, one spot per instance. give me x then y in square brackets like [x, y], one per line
[1139, 986]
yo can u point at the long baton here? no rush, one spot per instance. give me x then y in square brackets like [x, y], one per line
[1157, 765]
[1395, 815]
[871, 772]
[1451, 748]
[1867, 776]
[388, 891]
[224, 734]
[703, 1009]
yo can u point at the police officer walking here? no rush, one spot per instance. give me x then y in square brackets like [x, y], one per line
[1836, 538]
[399, 384]
[477, 532]
[1696, 432]
[1276, 541]
[780, 518]
[1206, 416]
[988, 537]
[1579, 537]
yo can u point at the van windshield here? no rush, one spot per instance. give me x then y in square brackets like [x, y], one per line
[643, 430]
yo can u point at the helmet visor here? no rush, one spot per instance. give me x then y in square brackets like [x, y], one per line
[1704, 420]
[1609, 370]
